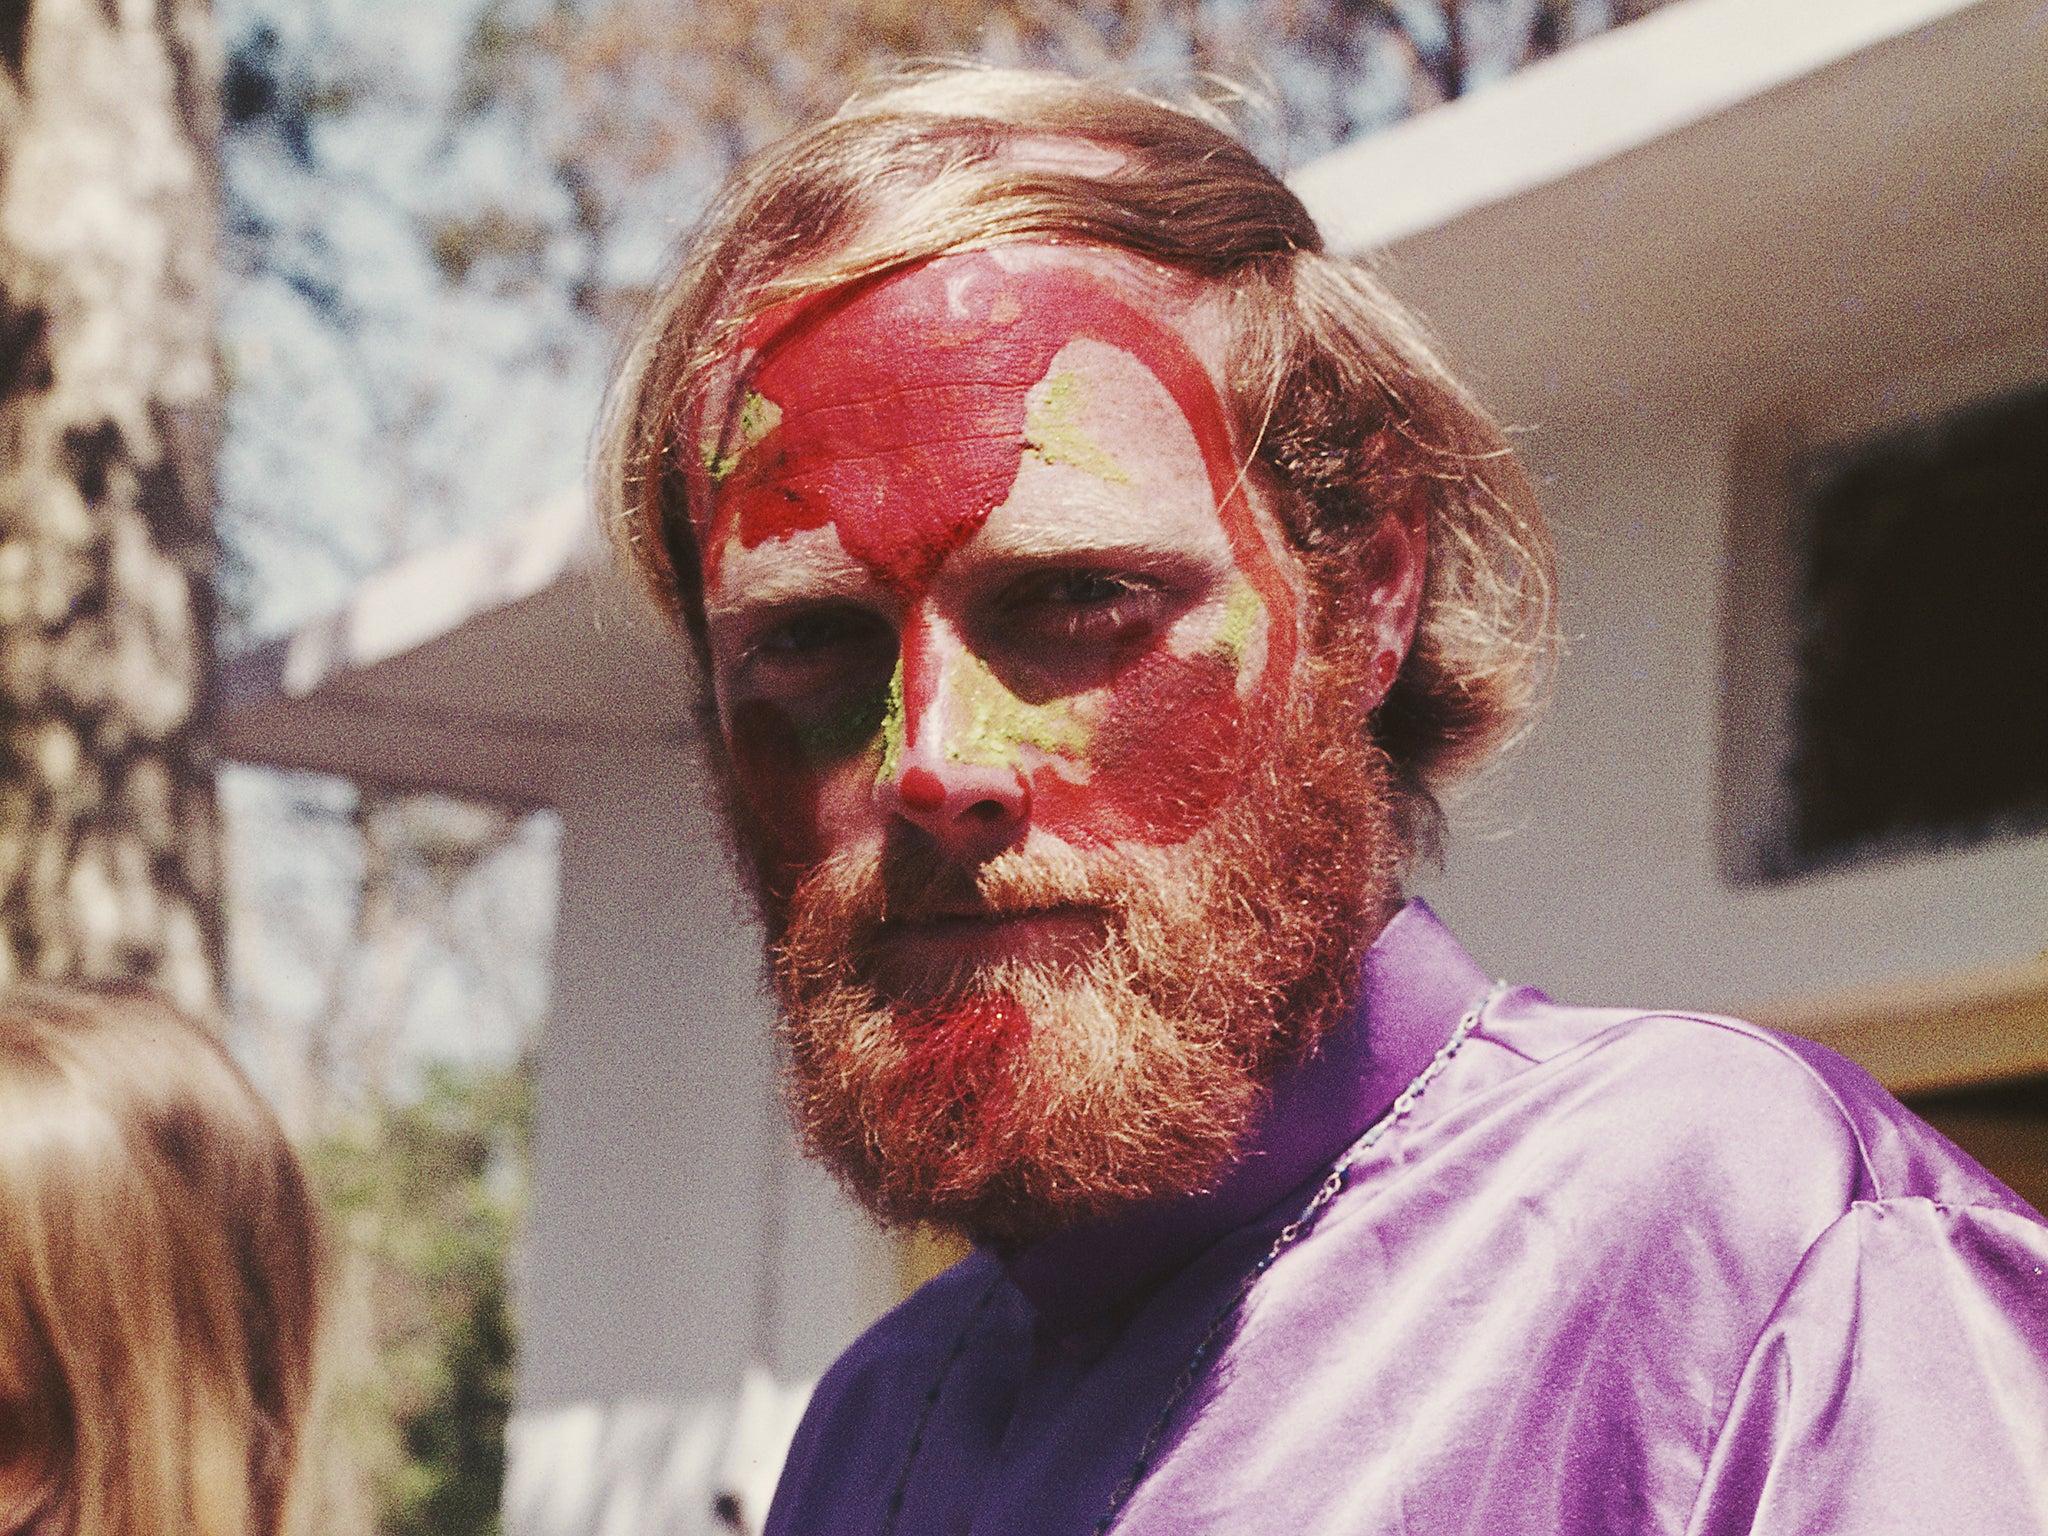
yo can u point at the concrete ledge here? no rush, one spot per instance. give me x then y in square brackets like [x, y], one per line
[1590, 103]
[1952, 1032]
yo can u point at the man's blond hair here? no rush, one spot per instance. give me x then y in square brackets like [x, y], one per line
[1336, 386]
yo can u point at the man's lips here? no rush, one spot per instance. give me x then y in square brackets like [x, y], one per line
[951, 938]
[973, 915]
[969, 923]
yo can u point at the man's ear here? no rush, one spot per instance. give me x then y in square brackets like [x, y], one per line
[1392, 569]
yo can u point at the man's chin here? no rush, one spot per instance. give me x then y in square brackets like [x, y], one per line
[1013, 1107]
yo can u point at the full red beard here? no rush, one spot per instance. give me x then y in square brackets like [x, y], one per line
[1021, 1096]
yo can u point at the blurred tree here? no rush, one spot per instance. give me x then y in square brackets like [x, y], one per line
[425, 1196]
[108, 864]
[646, 103]
[387, 988]
[406, 360]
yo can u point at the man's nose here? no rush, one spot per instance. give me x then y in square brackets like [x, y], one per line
[970, 796]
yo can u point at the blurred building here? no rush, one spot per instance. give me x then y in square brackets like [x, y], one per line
[1766, 289]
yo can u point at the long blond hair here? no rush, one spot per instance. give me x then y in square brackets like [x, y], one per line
[1339, 389]
[158, 1277]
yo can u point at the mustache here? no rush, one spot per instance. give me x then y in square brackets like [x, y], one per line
[909, 882]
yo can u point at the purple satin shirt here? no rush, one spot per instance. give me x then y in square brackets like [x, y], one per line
[1615, 1272]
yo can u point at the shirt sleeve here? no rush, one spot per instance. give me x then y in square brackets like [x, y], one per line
[1901, 1384]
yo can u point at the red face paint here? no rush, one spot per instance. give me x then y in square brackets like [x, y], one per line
[771, 765]
[1166, 757]
[895, 412]
[901, 407]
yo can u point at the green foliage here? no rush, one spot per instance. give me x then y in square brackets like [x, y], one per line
[425, 1198]
[456, 1442]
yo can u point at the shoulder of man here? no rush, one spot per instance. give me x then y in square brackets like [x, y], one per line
[1677, 1087]
[1675, 1248]
[1653, 1106]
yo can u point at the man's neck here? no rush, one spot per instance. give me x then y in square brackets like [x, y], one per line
[1413, 984]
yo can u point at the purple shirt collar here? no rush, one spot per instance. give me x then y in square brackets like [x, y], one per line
[1416, 982]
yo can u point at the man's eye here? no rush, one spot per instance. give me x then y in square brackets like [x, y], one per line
[816, 653]
[1096, 607]
[818, 632]
[1090, 587]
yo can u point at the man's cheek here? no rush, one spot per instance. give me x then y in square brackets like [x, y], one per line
[788, 764]
[1169, 752]
[775, 777]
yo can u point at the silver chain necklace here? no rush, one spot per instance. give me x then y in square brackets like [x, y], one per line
[1289, 1235]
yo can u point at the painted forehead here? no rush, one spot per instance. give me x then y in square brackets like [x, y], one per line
[896, 410]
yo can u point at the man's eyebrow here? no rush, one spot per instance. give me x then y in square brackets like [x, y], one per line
[789, 583]
[1057, 542]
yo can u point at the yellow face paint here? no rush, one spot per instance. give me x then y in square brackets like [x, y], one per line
[893, 727]
[1241, 617]
[1053, 430]
[989, 723]
[758, 416]
[997, 722]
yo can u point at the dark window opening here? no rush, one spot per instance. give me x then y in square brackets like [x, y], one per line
[1922, 712]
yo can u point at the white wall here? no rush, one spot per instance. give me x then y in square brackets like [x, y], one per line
[1590, 867]
[675, 1238]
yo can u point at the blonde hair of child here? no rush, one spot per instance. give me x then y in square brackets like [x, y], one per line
[158, 1278]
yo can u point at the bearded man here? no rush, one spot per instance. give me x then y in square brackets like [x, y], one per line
[1097, 584]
